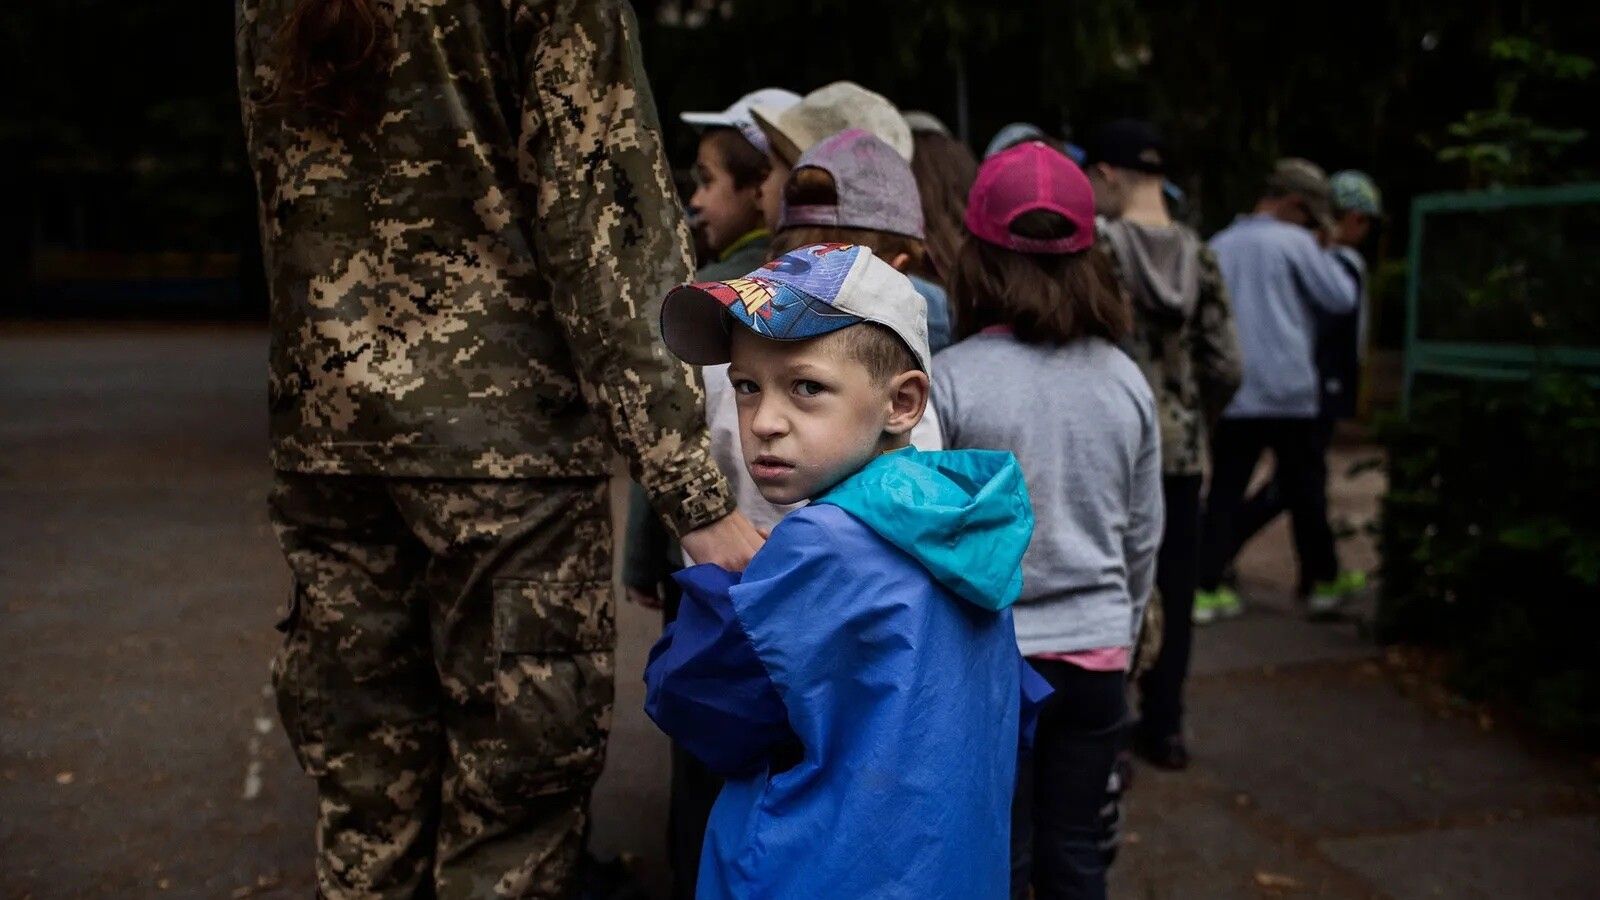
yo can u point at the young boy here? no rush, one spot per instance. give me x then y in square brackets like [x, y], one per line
[860, 684]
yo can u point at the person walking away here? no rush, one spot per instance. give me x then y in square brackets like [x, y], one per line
[1038, 372]
[860, 684]
[1184, 342]
[464, 209]
[1277, 276]
[1341, 348]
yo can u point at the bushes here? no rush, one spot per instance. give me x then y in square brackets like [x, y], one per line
[1491, 543]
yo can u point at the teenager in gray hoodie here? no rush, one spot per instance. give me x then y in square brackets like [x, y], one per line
[1183, 339]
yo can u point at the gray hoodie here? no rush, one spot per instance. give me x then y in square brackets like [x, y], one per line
[1183, 337]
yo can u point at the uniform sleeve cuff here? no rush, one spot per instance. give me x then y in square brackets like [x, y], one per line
[696, 502]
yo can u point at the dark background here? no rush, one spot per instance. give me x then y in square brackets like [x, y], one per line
[133, 200]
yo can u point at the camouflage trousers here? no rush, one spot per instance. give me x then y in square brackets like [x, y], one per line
[446, 677]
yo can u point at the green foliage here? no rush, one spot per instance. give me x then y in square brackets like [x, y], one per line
[1491, 542]
[1502, 146]
[1520, 275]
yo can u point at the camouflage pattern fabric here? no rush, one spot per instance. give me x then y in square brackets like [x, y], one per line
[446, 676]
[1193, 367]
[470, 288]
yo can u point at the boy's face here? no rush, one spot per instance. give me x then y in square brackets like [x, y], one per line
[811, 416]
[772, 191]
[723, 210]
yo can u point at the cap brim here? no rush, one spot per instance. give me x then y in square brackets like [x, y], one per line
[708, 120]
[697, 319]
[694, 326]
[782, 145]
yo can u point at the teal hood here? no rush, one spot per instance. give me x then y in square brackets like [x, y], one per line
[963, 514]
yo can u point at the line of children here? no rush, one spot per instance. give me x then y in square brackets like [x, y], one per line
[855, 188]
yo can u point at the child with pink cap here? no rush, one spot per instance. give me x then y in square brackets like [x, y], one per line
[1038, 372]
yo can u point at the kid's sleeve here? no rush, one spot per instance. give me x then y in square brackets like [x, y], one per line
[706, 688]
[1146, 518]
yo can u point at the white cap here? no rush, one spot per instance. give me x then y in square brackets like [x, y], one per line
[829, 110]
[738, 115]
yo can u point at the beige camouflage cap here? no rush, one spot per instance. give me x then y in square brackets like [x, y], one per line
[827, 111]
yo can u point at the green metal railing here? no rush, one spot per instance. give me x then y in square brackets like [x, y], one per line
[1479, 359]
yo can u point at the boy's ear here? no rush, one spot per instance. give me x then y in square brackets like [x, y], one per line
[900, 261]
[908, 400]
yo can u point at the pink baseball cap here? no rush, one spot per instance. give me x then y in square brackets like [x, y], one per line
[1032, 175]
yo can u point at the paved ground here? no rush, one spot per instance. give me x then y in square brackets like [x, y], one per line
[139, 757]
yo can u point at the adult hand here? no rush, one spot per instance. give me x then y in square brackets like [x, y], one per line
[728, 542]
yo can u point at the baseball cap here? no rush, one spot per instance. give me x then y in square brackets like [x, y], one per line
[1355, 191]
[828, 110]
[875, 186]
[1294, 175]
[805, 293]
[1129, 144]
[1030, 176]
[1012, 135]
[738, 115]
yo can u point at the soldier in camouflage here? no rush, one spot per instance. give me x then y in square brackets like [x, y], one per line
[1183, 339]
[468, 223]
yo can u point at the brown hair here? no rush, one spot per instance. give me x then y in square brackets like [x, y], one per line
[810, 186]
[877, 348]
[944, 168]
[335, 58]
[745, 164]
[1042, 298]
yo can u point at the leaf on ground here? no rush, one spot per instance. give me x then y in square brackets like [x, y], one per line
[65, 778]
[1276, 882]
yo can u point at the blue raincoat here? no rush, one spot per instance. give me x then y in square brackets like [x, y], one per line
[860, 688]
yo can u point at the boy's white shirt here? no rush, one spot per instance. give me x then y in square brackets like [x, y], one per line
[722, 416]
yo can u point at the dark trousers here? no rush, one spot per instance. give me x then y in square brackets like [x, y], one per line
[1061, 838]
[1299, 453]
[694, 791]
[1260, 508]
[1177, 567]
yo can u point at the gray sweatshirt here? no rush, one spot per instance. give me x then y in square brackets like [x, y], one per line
[1275, 274]
[1082, 422]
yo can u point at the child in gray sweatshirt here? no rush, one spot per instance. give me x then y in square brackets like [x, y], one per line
[1038, 373]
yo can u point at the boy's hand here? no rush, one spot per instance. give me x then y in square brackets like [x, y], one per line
[728, 542]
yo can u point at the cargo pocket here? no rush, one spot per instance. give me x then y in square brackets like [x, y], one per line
[554, 643]
[292, 685]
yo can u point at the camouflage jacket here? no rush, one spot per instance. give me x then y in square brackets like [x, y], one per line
[470, 289]
[1193, 364]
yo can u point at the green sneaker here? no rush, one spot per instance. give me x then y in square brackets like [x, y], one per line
[1327, 596]
[1222, 603]
[1351, 582]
